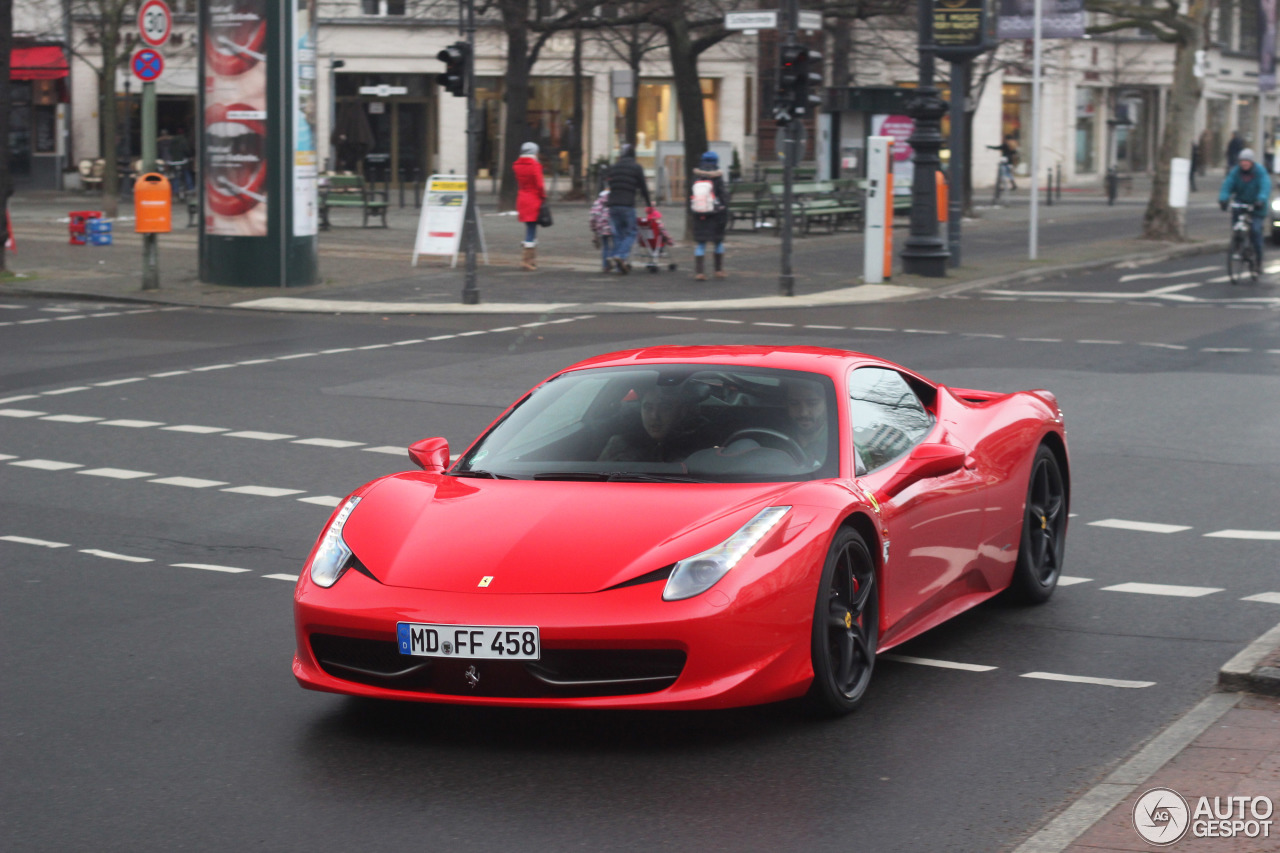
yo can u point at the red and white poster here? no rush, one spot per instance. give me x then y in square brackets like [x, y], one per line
[235, 120]
[900, 128]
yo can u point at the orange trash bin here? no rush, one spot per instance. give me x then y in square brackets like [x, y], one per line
[152, 204]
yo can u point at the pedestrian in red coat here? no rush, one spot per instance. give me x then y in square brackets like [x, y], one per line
[531, 192]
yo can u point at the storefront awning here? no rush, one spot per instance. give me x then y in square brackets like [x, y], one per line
[45, 62]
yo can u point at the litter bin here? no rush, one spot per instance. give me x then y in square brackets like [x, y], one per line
[77, 225]
[152, 204]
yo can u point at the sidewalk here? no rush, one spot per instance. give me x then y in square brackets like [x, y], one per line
[369, 269]
[1227, 746]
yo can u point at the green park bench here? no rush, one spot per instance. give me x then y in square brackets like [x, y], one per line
[351, 191]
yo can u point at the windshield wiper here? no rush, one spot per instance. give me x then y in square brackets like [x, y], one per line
[571, 475]
[476, 472]
[636, 477]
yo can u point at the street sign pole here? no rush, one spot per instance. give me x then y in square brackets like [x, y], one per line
[470, 228]
[787, 280]
[150, 247]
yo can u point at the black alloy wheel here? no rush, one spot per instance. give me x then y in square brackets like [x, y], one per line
[846, 627]
[1044, 530]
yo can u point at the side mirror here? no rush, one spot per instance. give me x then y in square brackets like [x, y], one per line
[430, 454]
[925, 461]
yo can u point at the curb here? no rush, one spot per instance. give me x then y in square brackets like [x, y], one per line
[1254, 670]
[1249, 671]
[856, 294]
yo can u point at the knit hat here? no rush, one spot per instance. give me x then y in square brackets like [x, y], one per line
[627, 150]
[1247, 154]
[711, 158]
[529, 149]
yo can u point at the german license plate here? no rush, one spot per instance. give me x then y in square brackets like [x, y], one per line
[468, 641]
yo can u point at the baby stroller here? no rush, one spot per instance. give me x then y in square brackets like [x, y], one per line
[652, 237]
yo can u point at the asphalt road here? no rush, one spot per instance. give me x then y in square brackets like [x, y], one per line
[164, 472]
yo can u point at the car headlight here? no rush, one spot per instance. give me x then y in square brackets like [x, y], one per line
[1275, 205]
[333, 556]
[697, 574]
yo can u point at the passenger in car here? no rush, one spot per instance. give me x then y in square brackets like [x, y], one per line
[807, 411]
[668, 430]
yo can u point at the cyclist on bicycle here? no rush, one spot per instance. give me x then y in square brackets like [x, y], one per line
[1248, 183]
[1008, 154]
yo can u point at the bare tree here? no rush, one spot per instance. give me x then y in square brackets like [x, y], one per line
[1184, 25]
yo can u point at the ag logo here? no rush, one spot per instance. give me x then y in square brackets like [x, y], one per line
[1161, 816]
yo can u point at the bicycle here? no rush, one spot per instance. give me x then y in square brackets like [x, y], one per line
[1004, 172]
[175, 171]
[1242, 258]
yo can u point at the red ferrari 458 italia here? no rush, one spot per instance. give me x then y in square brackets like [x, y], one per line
[687, 527]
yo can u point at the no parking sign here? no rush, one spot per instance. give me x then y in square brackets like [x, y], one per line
[147, 65]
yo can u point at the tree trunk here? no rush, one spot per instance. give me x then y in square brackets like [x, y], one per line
[6, 180]
[841, 49]
[515, 20]
[108, 116]
[684, 70]
[1161, 221]
[575, 144]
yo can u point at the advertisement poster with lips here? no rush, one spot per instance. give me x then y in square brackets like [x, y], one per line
[235, 120]
[900, 128]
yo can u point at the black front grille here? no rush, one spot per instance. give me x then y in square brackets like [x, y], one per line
[561, 673]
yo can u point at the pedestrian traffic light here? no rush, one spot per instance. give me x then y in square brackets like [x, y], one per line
[454, 78]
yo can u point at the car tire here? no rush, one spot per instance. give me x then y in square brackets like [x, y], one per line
[846, 627]
[1044, 527]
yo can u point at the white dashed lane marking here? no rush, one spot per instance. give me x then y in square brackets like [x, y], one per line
[111, 555]
[210, 567]
[1067, 580]
[1264, 597]
[282, 577]
[115, 473]
[1140, 526]
[321, 500]
[46, 464]
[1163, 589]
[263, 491]
[259, 436]
[1087, 679]
[1262, 535]
[940, 664]
[27, 540]
[188, 482]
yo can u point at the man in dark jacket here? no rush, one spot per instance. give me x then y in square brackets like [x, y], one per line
[626, 179]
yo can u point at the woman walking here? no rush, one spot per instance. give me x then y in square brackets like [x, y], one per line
[531, 192]
[709, 207]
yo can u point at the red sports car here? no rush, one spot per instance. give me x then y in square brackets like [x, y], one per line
[687, 527]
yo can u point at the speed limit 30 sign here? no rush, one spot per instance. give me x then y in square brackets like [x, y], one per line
[155, 22]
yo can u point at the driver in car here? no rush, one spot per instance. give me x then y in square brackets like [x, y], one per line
[807, 411]
[668, 427]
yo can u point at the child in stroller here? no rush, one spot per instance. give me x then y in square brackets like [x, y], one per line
[654, 239]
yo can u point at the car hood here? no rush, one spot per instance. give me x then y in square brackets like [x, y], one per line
[435, 532]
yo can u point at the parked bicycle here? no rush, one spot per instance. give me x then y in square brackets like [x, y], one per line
[1242, 257]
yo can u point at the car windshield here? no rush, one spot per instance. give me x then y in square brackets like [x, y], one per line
[666, 423]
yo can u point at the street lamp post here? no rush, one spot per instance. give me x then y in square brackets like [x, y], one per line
[926, 251]
[334, 65]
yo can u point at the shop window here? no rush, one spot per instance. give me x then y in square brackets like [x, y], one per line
[1087, 101]
[383, 7]
[711, 106]
[550, 120]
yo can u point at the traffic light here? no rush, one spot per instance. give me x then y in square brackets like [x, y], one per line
[784, 98]
[809, 84]
[454, 78]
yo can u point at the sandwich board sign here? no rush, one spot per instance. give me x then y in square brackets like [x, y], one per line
[440, 223]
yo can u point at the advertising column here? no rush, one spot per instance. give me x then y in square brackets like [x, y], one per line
[258, 163]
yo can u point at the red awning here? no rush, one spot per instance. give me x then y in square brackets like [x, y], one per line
[37, 63]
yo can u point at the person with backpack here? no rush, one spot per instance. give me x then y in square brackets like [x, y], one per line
[709, 208]
[626, 179]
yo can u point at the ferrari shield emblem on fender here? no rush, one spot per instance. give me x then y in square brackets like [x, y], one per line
[473, 677]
